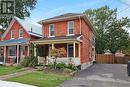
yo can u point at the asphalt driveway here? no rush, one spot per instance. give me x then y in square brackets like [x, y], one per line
[100, 75]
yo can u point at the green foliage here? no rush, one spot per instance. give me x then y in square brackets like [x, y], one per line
[22, 8]
[56, 53]
[72, 67]
[31, 49]
[25, 62]
[111, 31]
[33, 61]
[60, 65]
[29, 62]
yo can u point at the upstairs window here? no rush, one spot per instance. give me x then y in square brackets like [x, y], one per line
[51, 30]
[20, 33]
[12, 35]
[70, 27]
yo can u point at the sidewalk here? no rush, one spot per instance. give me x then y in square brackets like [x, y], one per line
[13, 84]
[4, 77]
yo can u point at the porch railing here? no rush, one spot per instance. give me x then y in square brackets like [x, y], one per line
[42, 60]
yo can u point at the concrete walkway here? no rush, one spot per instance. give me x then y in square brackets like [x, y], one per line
[13, 84]
[101, 75]
[4, 77]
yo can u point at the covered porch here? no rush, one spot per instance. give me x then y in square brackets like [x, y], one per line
[71, 50]
[13, 51]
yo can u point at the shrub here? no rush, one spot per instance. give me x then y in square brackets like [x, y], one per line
[60, 65]
[29, 61]
[25, 62]
[33, 61]
[72, 67]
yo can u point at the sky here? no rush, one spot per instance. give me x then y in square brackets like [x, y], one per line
[49, 8]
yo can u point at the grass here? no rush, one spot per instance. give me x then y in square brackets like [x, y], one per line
[8, 70]
[40, 79]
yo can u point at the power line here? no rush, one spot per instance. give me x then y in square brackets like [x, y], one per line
[125, 3]
[124, 8]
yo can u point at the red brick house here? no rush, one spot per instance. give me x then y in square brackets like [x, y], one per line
[15, 40]
[70, 31]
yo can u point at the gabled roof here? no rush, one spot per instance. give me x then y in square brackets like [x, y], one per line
[28, 26]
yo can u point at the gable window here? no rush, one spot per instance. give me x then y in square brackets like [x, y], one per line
[70, 27]
[12, 34]
[51, 30]
[20, 33]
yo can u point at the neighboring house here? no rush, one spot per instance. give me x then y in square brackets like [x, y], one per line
[15, 40]
[70, 31]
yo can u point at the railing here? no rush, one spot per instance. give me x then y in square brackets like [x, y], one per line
[42, 60]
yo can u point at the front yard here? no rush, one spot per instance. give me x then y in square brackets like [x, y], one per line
[41, 79]
[8, 70]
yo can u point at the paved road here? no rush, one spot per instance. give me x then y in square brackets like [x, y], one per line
[101, 75]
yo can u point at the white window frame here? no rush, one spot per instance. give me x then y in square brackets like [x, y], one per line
[12, 31]
[19, 33]
[50, 31]
[69, 28]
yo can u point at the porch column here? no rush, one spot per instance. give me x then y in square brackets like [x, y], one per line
[35, 54]
[17, 54]
[74, 49]
[52, 46]
[79, 49]
[4, 54]
[28, 51]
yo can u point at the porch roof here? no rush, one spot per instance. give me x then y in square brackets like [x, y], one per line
[58, 39]
[14, 42]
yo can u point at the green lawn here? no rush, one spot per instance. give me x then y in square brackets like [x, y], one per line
[40, 79]
[7, 70]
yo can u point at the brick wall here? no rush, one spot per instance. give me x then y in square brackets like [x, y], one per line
[61, 28]
[16, 27]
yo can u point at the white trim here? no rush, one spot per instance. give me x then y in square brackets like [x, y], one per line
[28, 50]
[35, 53]
[78, 38]
[74, 50]
[4, 54]
[50, 32]
[12, 31]
[17, 54]
[19, 33]
[68, 29]
[79, 49]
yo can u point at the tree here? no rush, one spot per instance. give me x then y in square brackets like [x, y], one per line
[57, 53]
[117, 37]
[22, 10]
[109, 29]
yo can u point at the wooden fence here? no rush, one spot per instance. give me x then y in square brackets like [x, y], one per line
[111, 59]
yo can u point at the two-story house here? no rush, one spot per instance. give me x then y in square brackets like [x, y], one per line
[70, 31]
[16, 39]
